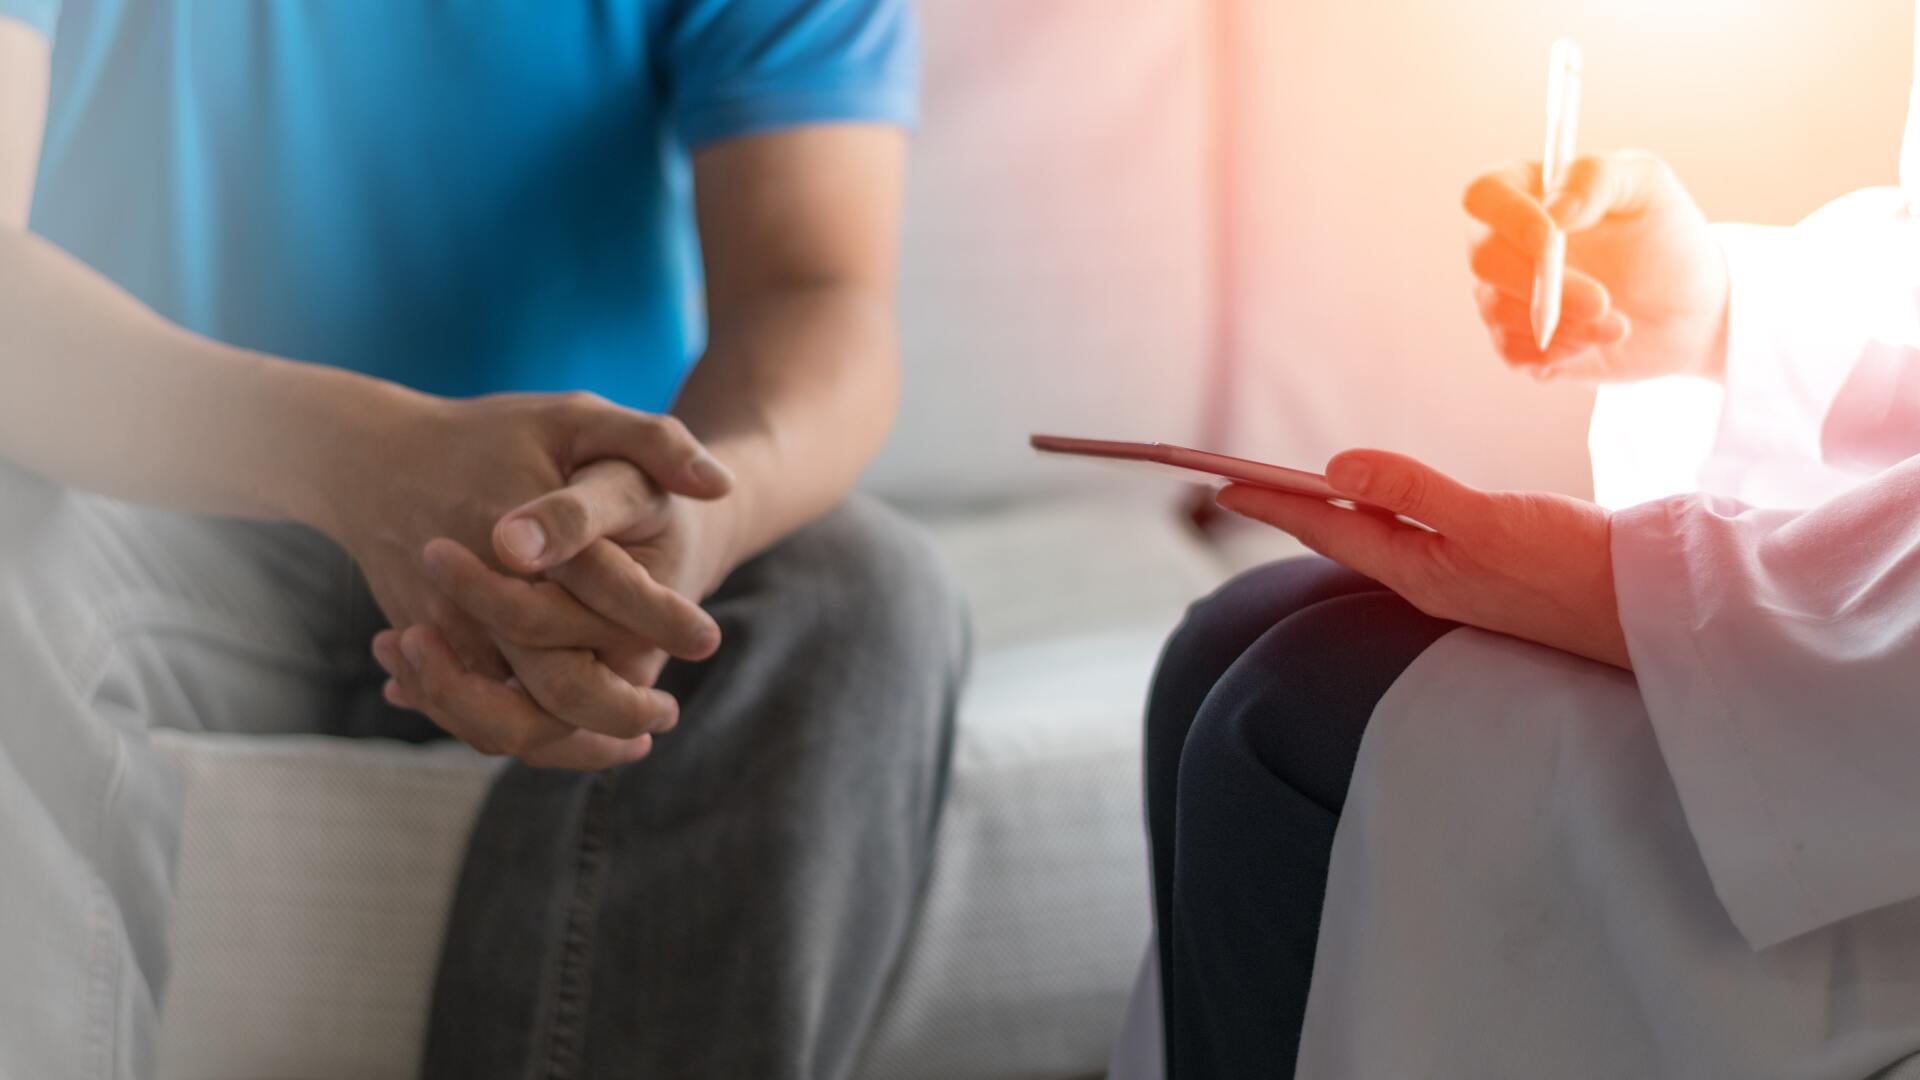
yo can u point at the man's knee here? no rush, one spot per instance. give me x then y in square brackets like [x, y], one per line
[870, 582]
[879, 649]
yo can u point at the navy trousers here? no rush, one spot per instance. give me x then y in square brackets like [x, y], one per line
[1253, 726]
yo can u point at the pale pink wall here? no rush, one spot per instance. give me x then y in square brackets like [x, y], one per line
[1358, 124]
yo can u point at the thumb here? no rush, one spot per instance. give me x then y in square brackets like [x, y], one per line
[1601, 185]
[602, 499]
[1404, 486]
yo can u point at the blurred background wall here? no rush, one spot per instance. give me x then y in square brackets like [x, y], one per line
[1353, 127]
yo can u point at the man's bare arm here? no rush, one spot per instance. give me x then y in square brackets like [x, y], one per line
[801, 377]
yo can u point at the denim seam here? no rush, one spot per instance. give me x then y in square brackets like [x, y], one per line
[562, 1044]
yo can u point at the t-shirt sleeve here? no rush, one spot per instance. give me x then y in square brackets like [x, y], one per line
[741, 67]
[38, 14]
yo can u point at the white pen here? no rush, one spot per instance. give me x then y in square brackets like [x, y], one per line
[1563, 111]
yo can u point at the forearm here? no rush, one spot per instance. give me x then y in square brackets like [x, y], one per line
[796, 394]
[99, 392]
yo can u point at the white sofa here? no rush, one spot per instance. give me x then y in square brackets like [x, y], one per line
[1226, 221]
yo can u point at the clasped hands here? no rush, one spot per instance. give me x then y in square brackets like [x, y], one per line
[540, 558]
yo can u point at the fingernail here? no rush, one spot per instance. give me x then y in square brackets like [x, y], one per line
[1355, 477]
[524, 539]
[709, 472]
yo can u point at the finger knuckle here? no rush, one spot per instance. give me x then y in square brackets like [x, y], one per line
[518, 742]
[671, 431]
[1481, 259]
[650, 709]
[529, 624]
[485, 743]
[1406, 489]
[567, 515]
[439, 610]
[1477, 191]
[565, 694]
[429, 686]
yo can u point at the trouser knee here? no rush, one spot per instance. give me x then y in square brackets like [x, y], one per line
[873, 604]
[1220, 627]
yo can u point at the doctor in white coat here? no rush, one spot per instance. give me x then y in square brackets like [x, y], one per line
[1644, 800]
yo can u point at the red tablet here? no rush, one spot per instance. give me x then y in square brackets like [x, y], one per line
[1192, 465]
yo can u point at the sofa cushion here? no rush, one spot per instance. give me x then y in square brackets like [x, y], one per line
[1058, 263]
[311, 890]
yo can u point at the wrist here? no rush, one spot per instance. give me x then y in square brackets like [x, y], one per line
[740, 520]
[774, 493]
[721, 526]
[333, 432]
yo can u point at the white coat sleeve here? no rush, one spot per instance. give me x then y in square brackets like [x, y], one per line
[1807, 304]
[1778, 655]
[1778, 650]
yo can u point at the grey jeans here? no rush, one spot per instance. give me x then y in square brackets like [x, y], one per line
[734, 905]
[116, 619]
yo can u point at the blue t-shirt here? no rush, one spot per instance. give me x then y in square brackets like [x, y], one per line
[462, 197]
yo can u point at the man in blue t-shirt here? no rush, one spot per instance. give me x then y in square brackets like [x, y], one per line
[290, 292]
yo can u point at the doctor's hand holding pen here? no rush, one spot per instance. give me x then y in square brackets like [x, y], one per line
[1645, 284]
[1643, 293]
[1609, 274]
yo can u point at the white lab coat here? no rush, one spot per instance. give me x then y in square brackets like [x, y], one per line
[1711, 867]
